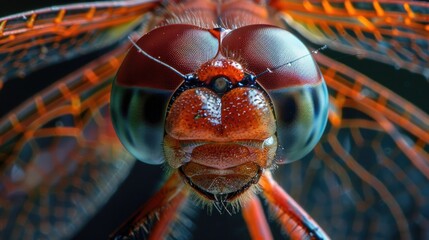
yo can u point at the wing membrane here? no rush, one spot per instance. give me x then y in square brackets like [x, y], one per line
[392, 32]
[60, 157]
[34, 39]
[369, 175]
[370, 172]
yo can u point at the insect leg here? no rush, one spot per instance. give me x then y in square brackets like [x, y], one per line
[296, 222]
[154, 218]
[255, 219]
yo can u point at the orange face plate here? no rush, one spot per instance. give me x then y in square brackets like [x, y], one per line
[216, 140]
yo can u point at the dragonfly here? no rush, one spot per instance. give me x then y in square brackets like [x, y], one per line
[61, 159]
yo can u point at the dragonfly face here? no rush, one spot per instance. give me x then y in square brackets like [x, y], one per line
[369, 171]
[220, 127]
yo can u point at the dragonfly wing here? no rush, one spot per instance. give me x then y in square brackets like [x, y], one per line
[34, 39]
[392, 32]
[60, 158]
[369, 174]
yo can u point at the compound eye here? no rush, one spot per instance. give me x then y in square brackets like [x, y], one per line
[220, 85]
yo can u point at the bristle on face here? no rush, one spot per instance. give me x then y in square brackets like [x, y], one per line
[220, 204]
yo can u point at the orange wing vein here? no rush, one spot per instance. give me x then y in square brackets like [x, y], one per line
[60, 158]
[34, 39]
[390, 31]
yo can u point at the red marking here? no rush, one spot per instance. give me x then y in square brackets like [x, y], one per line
[216, 33]
[228, 68]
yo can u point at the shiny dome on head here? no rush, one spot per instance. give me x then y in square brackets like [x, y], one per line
[220, 67]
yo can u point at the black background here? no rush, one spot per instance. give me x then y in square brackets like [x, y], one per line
[143, 179]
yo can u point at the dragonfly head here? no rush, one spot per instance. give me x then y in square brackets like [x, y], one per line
[220, 130]
[226, 107]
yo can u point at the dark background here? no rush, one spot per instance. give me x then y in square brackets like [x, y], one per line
[143, 179]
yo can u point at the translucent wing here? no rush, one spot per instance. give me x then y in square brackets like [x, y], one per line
[370, 172]
[34, 39]
[390, 31]
[368, 177]
[60, 159]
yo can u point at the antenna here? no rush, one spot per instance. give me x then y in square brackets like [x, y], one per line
[156, 60]
[270, 70]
